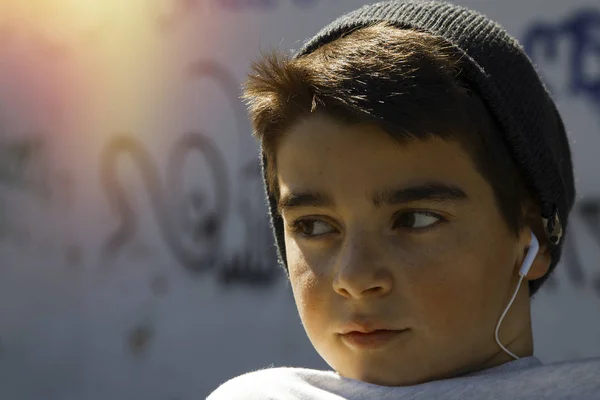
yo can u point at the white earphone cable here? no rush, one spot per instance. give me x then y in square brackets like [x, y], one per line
[502, 318]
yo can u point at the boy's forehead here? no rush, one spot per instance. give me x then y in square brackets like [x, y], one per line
[323, 144]
[320, 156]
[328, 128]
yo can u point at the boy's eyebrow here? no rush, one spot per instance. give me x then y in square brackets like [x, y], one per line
[303, 199]
[427, 191]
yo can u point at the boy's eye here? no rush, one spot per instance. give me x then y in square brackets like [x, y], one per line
[417, 220]
[312, 227]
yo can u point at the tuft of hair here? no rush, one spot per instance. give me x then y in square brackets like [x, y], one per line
[403, 80]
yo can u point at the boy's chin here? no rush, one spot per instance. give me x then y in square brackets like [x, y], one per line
[392, 370]
[375, 374]
[383, 372]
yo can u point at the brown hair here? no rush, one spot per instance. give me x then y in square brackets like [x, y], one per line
[409, 83]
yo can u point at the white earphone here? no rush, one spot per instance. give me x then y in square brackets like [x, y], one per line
[534, 247]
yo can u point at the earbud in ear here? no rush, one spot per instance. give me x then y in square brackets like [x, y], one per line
[534, 247]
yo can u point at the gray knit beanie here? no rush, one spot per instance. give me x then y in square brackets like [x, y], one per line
[510, 87]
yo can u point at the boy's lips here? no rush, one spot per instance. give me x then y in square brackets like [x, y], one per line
[370, 335]
[366, 326]
[372, 340]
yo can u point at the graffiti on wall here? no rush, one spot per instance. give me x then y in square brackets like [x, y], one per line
[18, 159]
[21, 172]
[581, 31]
[192, 229]
[588, 212]
[204, 232]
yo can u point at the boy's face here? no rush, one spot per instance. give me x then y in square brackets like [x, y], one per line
[403, 240]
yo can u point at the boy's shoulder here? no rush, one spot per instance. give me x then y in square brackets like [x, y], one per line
[275, 383]
[579, 379]
[566, 380]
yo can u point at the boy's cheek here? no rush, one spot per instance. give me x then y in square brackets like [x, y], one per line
[307, 277]
[454, 270]
[312, 295]
[454, 297]
[431, 264]
[304, 262]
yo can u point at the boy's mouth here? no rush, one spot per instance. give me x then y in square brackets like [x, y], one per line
[370, 336]
[372, 340]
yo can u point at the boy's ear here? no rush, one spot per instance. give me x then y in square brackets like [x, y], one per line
[542, 261]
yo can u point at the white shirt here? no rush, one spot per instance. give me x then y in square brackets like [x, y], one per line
[525, 379]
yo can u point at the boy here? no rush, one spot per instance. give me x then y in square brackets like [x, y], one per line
[417, 173]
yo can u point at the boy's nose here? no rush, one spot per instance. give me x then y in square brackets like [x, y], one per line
[360, 273]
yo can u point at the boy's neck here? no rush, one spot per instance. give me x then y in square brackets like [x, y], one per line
[522, 346]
